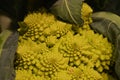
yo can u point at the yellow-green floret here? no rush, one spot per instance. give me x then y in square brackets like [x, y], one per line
[62, 75]
[27, 75]
[52, 62]
[28, 54]
[71, 47]
[80, 73]
[101, 49]
[40, 26]
[84, 73]
[86, 13]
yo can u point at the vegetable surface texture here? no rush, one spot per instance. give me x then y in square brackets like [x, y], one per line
[50, 49]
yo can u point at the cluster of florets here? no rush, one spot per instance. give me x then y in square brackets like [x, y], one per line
[84, 49]
[52, 50]
[41, 27]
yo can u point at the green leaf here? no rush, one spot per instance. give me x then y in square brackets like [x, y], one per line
[108, 15]
[23, 28]
[105, 5]
[9, 46]
[68, 10]
[108, 24]
[3, 37]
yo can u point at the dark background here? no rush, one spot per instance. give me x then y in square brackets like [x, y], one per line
[105, 5]
[17, 9]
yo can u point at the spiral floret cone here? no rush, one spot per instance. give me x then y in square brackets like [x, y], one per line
[28, 54]
[87, 48]
[52, 62]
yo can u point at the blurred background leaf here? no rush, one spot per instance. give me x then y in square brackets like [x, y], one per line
[105, 5]
[68, 10]
[8, 51]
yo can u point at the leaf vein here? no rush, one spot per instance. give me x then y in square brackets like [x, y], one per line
[70, 12]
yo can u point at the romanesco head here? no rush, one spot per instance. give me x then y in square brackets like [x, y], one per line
[48, 47]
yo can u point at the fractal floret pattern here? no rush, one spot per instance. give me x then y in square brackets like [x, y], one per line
[87, 48]
[101, 49]
[84, 73]
[62, 75]
[81, 73]
[71, 47]
[52, 62]
[39, 59]
[28, 54]
[40, 26]
[51, 49]
[27, 75]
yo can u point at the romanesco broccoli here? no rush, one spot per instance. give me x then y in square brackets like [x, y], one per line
[52, 49]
